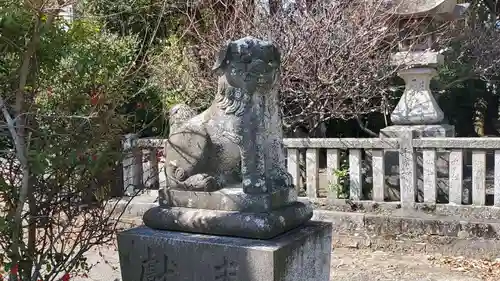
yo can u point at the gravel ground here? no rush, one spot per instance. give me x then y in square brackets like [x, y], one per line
[348, 265]
[358, 265]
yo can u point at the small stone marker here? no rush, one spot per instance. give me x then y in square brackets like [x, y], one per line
[226, 176]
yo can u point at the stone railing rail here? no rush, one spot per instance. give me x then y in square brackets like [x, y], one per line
[143, 170]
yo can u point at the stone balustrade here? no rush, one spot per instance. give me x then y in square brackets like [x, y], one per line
[142, 169]
[333, 147]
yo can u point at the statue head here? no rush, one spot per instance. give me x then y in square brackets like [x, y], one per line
[249, 63]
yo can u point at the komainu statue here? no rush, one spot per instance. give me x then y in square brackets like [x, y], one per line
[225, 167]
[237, 141]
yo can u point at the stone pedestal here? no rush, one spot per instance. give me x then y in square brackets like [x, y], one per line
[392, 159]
[302, 254]
[417, 104]
[229, 211]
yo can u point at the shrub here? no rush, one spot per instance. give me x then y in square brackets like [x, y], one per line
[62, 95]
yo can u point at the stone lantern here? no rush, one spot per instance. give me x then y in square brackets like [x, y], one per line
[418, 114]
[418, 59]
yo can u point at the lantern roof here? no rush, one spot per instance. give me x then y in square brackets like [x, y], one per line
[446, 9]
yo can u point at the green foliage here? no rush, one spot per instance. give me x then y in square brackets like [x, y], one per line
[15, 22]
[167, 72]
[99, 61]
[174, 71]
[80, 85]
[150, 22]
[79, 82]
[341, 188]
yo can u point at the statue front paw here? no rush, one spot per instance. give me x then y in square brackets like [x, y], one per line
[202, 182]
[211, 184]
[254, 185]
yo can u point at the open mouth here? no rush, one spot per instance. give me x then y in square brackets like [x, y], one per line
[258, 79]
[261, 80]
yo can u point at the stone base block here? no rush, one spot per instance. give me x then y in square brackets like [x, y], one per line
[229, 199]
[302, 254]
[417, 58]
[263, 225]
[419, 131]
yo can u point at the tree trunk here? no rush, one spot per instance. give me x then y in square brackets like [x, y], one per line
[17, 129]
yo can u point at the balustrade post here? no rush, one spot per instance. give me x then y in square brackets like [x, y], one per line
[496, 195]
[407, 168]
[332, 165]
[151, 171]
[378, 170]
[132, 165]
[479, 177]
[293, 166]
[355, 175]
[430, 176]
[312, 172]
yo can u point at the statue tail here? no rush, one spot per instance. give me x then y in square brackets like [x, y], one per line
[177, 179]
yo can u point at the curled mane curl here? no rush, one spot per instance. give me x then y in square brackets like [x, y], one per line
[231, 99]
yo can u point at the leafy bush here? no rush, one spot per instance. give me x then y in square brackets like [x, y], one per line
[151, 22]
[63, 90]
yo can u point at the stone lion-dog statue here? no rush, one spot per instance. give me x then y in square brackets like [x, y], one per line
[238, 140]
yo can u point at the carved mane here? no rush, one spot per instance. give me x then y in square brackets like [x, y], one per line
[230, 99]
